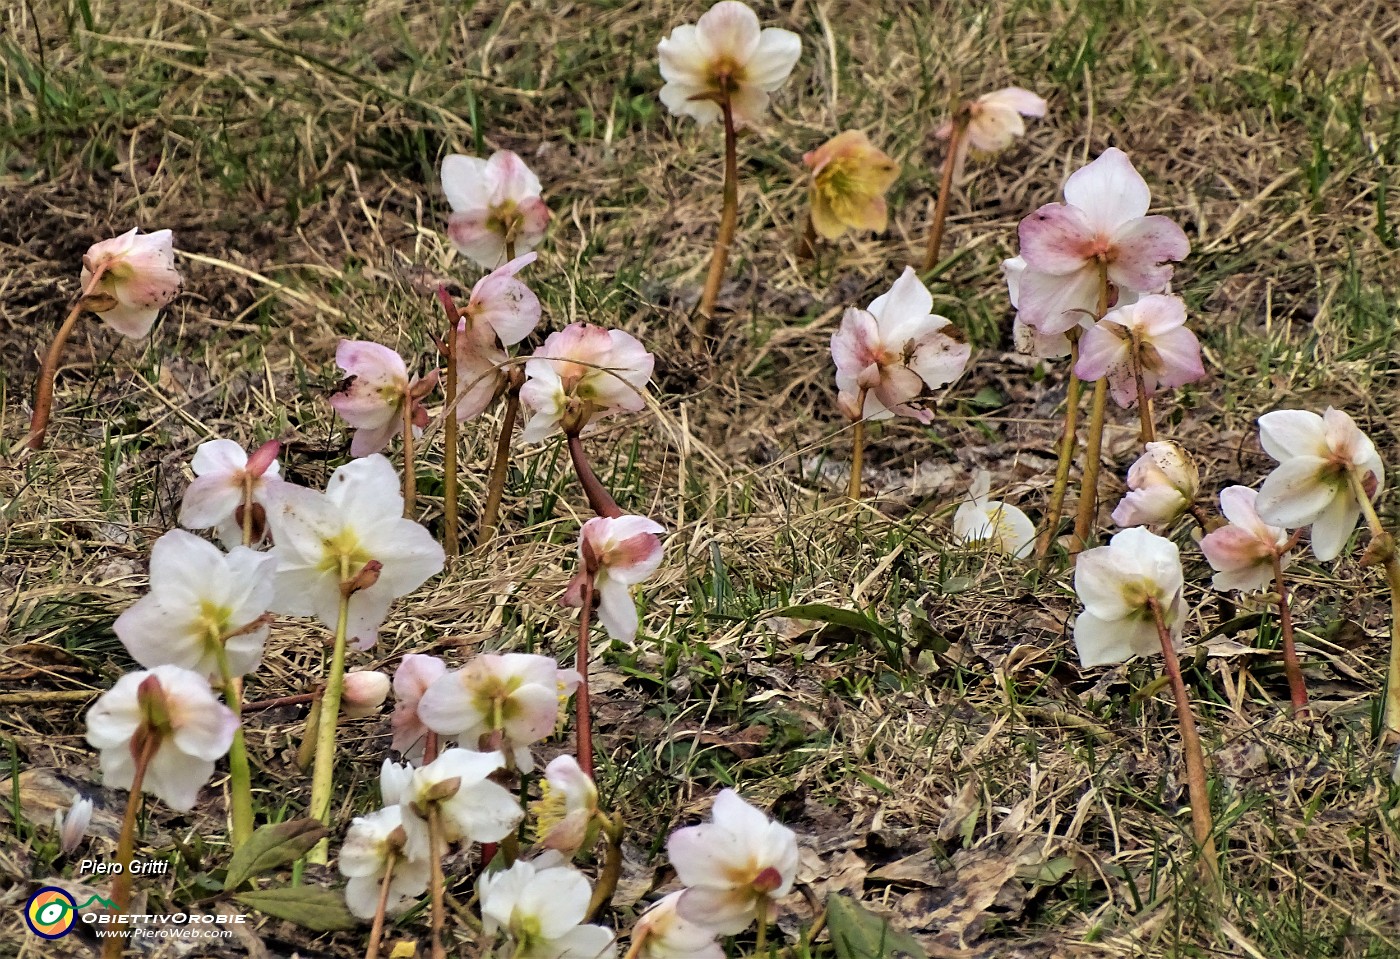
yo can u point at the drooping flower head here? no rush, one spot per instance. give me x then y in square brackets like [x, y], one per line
[364, 858]
[352, 538]
[582, 372]
[501, 312]
[494, 202]
[893, 350]
[1242, 551]
[541, 905]
[172, 713]
[374, 392]
[364, 693]
[225, 479]
[725, 55]
[1150, 334]
[994, 120]
[732, 864]
[472, 807]
[411, 680]
[1115, 583]
[980, 520]
[499, 701]
[850, 177]
[1102, 223]
[138, 279]
[204, 611]
[566, 816]
[665, 934]
[1162, 484]
[1310, 486]
[618, 553]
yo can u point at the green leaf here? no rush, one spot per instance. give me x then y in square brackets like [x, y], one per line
[837, 616]
[272, 846]
[312, 907]
[857, 933]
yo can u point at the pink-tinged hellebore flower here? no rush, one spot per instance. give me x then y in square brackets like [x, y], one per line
[725, 55]
[372, 396]
[411, 680]
[204, 611]
[473, 808]
[177, 708]
[364, 692]
[225, 479]
[994, 121]
[1103, 222]
[364, 857]
[325, 540]
[1114, 583]
[1025, 338]
[1310, 486]
[541, 906]
[494, 202]
[894, 350]
[582, 372]
[138, 273]
[1153, 328]
[732, 865]
[505, 701]
[665, 934]
[566, 816]
[850, 177]
[501, 312]
[72, 827]
[980, 520]
[1242, 551]
[1162, 485]
[618, 552]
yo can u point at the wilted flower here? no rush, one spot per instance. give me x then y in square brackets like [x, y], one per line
[411, 680]
[1153, 329]
[892, 351]
[994, 120]
[849, 180]
[725, 56]
[1242, 551]
[326, 541]
[72, 827]
[204, 610]
[174, 707]
[1162, 485]
[499, 701]
[734, 863]
[1102, 222]
[980, 520]
[494, 202]
[1115, 583]
[372, 396]
[618, 553]
[665, 934]
[566, 816]
[138, 274]
[364, 857]
[472, 807]
[541, 906]
[1311, 485]
[582, 372]
[364, 692]
[225, 479]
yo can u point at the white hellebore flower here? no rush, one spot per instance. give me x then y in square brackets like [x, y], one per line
[472, 807]
[171, 715]
[1317, 456]
[725, 55]
[394, 779]
[734, 865]
[1115, 583]
[1242, 551]
[364, 858]
[566, 815]
[665, 934]
[205, 611]
[541, 906]
[225, 479]
[618, 552]
[494, 202]
[980, 520]
[325, 543]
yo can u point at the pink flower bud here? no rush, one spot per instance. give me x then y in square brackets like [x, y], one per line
[364, 692]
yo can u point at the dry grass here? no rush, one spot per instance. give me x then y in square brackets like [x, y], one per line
[969, 781]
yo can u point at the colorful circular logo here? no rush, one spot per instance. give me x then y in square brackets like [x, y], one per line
[51, 913]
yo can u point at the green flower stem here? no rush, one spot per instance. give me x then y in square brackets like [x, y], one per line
[240, 779]
[1093, 444]
[410, 477]
[449, 450]
[1392, 578]
[323, 767]
[1066, 457]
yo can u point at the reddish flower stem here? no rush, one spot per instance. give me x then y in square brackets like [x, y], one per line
[940, 210]
[43, 390]
[435, 854]
[500, 466]
[1296, 686]
[410, 476]
[1093, 444]
[582, 703]
[599, 499]
[807, 242]
[450, 534]
[857, 449]
[126, 843]
[728, 220]
[376, 931]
